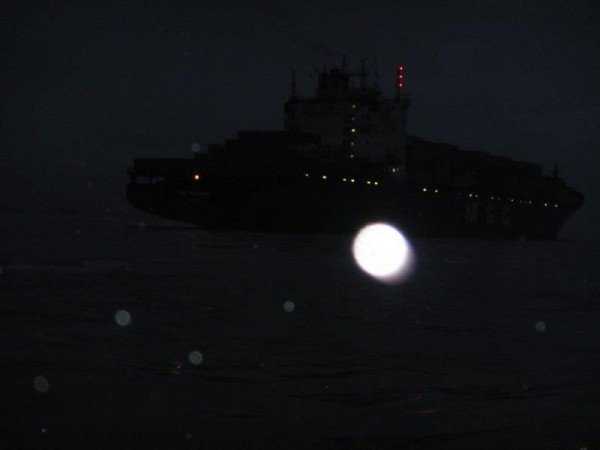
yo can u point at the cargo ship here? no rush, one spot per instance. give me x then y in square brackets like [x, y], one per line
[344, 159]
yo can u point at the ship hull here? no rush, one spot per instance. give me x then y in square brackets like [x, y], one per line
[323, 206]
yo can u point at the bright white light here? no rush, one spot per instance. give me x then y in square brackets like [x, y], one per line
[383, 252]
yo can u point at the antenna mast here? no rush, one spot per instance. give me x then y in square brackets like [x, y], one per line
[344, 63]
[399, 80]
[363, 74]
[293, 93]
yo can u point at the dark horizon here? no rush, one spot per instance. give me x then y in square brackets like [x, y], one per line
[87, 88]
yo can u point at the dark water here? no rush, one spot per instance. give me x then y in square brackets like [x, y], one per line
[488, 345]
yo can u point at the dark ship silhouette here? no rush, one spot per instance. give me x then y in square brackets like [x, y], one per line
[344, 159]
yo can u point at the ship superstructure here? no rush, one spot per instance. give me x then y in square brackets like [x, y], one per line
[349, 112]
[344, 158]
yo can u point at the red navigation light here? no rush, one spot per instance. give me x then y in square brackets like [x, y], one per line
[400, 77]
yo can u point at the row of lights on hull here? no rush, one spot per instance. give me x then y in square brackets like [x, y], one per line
[472, 195]
[424, 190]
[346, 180]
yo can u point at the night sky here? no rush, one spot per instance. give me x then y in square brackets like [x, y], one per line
[85, 88]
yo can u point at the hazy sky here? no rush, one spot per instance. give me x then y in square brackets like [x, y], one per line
[87, 87]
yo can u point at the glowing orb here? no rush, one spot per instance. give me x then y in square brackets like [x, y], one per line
[196, 357]
[122, 317]
[383, 252]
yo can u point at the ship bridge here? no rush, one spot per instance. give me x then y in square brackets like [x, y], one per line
[349, 111]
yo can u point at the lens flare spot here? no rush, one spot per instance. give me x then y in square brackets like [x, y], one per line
[41, 384]
[540, 327]
[196, 357]
[122, 317]
[289, 306]
[383, 252]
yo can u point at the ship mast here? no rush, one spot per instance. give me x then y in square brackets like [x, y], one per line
[344, 63]
[293, 87]
[363, 74]
[399, 81]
